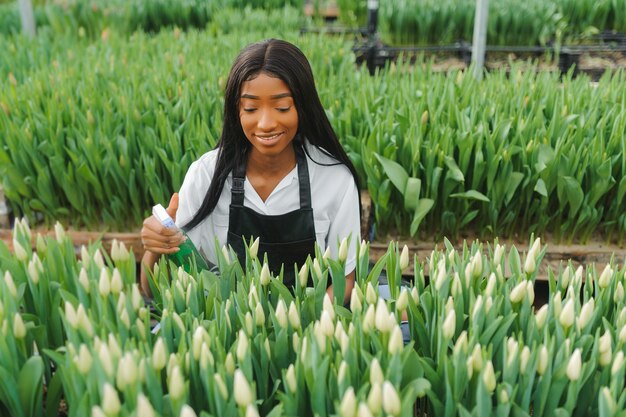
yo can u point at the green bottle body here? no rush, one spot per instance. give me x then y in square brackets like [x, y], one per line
[188, 255]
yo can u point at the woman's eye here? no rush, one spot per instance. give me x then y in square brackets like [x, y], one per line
[249, 109]
[284, 109]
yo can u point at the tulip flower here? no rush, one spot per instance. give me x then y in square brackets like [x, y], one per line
[391, 400]
[104, 284]
[242, 346]
[396, 342]
[370, 294]
[605, 277]
[618, 297]
[585, 313]
[251, 411]
[281, 314]
[19, 330]
[176, 383]
[524, 357]
[369, 319]
[477, 358]
[264, 278]
[489, 377]
[254, 249]
[187, 411]
[375, 398]
[303, 275]
[159, 355]
[449, 325]
[376, 373]
[566, 318]
[126, 371]
[96, 411]
[327, 305]
[40, 244]
[415, 296]
[347, 407]
[343, 250]
[8, 280]
[144, 408]
[326, 324]
[404, 258]
[316, 268]
[355, 301]
[382, 320]
[497, 254]
[403, 300]
[83, 360]
[226, 254]
[574, 366]
[618, 362]
[229, 363]
[242, 391]
[542, 361]
[364, 411]
[290, 379]
[518, 292]
[221, 386]
[110, 400]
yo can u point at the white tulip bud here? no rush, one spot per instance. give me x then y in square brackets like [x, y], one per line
[619, 293]
[530, 265]
[478, 305]
[281, 314]
[449, 325]
[243, 392]
[176, 383]
[264, 278]
[206, 357]
[303, 275]
[126, 371]
[96, 411]
[40, 244]
[383, 321]
[491, 284]
[440, 278]
[503, 396]
[343, 250]
[457, 287]
[375, 398]
[248, 323]
[34, 269]
[396, 342]
[259, 315]
[370, 294]
[574, 366]
[229, 363]
[104, 284]
[530, 291]
[369, 319]
[327, 305]
[316, 268]
[226, 254]
[294, 316]
[376, 373]
[605, 358]
[605, 342]
[254, 249]
[565, 277]
[187, 411]
[585, 313]
[618, 362]
[364, 411]
[221, 386]
[497, 254]
[477, 358]
[105, 359]
[489, 377]
[326, 324]
[8, 280]
[20, 253]
[622, 334]
[461, 344]
[70, 315]
[403, 300]
[605, 277]
[541, 315]
[524, 357]
[477, 265]
[347, 407]
[136, 298]
[83, 280]
[98, 259]
[542, 362]
[117, 285]
[355, 301]
[144, 408]
[110, 400]
[251, 411]
[326, 254]
[290, 379]
[567, 315]
[404, 258]
[159, 355]
[391, 400]
[242, 346]
[415, 296]
[518, 293]
[19, 330]
[84, 360]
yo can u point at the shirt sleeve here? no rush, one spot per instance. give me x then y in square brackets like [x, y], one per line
[346, 224]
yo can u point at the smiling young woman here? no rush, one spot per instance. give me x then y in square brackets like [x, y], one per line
[278, 173]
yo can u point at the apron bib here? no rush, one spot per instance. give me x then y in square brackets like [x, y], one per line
[287, 239]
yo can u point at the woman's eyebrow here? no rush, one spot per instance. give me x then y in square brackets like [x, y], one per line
[274, 97]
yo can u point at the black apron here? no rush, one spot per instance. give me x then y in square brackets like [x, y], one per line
[287, 239]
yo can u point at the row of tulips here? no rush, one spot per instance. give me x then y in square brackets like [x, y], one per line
[510, 22]
[90, 17]
[239, 342]
[502, 155]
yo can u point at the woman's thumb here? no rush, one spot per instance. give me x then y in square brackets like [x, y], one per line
[172, 208]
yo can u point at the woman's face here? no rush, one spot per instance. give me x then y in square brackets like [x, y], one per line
[268, 115]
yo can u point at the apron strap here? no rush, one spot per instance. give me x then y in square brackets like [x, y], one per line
[239, 177]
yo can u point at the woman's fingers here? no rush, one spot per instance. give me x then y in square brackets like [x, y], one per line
[159, 239]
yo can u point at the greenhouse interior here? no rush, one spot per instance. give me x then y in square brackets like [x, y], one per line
[312, 208]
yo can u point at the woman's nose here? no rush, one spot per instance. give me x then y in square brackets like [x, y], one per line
[266, 120]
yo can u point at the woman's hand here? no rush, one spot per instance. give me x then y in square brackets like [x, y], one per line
[159, 239]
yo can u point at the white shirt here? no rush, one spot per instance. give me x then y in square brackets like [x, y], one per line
[334, 199]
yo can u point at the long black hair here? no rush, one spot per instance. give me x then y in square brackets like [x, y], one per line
[285, 61]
